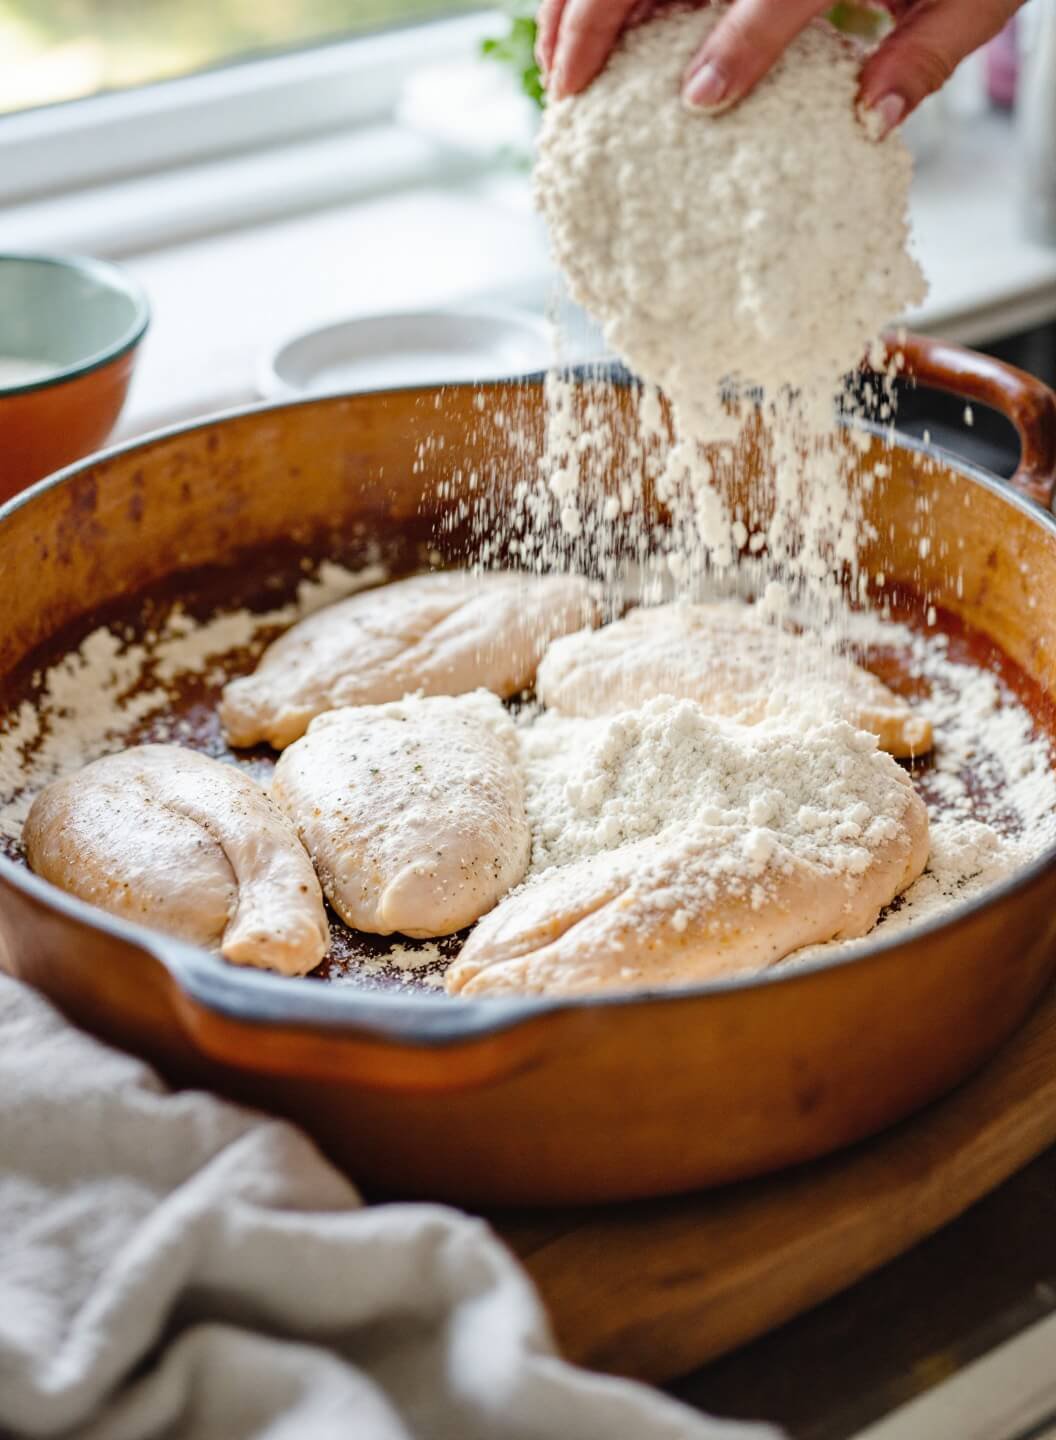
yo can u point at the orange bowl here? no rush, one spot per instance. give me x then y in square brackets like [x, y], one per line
[69, 332]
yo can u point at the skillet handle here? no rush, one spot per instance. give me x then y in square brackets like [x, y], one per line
[1024, 400]
[274, 1027]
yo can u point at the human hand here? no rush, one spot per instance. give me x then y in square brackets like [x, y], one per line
[929, 40]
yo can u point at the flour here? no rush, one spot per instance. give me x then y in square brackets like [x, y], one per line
[991, 789]
[89, 702]
[688, 848]
[763, 247]
[990, 762]
[766, 245]
[967, 858]
[666, 772]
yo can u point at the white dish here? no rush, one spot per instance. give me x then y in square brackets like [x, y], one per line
[376, 352]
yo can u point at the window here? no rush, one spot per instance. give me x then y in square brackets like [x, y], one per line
[57, 50]
[116, 124]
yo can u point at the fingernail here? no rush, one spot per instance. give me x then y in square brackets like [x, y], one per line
[882, 117]
[706, 88]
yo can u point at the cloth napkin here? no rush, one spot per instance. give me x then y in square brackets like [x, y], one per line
[174, 1266]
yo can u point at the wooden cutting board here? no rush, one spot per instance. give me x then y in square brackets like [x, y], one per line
[655, 1289]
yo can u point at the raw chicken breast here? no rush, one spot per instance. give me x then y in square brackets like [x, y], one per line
[730, 662]
[696, 848]
[172, 839]
[440, 634]
[595, 925]
[413, 812]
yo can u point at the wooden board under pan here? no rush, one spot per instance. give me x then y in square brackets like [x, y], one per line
[654, 1289]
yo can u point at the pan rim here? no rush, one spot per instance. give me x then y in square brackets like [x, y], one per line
[259, 998]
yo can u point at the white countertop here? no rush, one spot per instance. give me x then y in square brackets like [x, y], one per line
[220, 301]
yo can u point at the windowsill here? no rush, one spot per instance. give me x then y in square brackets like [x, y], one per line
[169, 209]
[237, 109]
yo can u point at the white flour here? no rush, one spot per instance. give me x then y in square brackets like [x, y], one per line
[991, 789]
[765, 246]
[597, 785]
[819, 792]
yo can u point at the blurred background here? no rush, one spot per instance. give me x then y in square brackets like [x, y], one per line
[52, 50]
[267, 169]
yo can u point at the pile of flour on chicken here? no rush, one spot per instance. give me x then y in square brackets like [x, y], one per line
[670, 846]
[818, 789]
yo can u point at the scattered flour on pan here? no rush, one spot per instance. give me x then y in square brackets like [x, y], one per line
[595, 786]
[991, 787]
[87, 704]
[400, 967]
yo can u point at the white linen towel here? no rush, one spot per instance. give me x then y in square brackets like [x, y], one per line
[174, 1266]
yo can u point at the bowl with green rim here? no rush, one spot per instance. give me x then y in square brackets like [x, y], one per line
[70, 331]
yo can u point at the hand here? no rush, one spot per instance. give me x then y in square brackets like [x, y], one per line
[929, 40]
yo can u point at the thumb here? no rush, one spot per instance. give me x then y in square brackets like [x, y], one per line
[923, 51]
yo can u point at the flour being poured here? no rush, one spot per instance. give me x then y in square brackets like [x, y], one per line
[766, 245]
[763, 247]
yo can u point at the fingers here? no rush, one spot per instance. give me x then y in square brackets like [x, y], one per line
[547, 24]
[923, 51]
[583, 35]
[931, 37]
[742, 48]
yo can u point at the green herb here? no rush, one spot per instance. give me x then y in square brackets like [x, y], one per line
[866, 20]
[517, 49]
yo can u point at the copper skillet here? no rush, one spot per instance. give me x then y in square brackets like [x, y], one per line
[534, 1100]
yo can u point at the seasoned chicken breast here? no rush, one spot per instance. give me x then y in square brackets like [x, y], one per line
[172, 839]
[413, 812]
[440, 634]
[700, 848]
[730, 662]
[596, 925]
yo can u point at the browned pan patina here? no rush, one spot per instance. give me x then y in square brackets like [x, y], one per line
[527, 1101]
